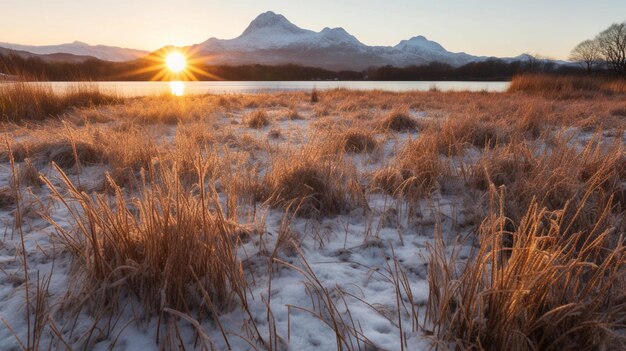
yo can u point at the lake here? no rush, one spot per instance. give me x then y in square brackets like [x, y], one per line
[133, 89]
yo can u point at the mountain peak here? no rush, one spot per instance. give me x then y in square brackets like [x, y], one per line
[338, 30]
[420, 43]
[339, 35]
[272, 39]
[273, 21]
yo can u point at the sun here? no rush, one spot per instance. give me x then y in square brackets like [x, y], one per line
[176, 62]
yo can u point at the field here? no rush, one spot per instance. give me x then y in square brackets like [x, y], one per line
[315, 220]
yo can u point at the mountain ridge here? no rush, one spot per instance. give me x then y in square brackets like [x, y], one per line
[271, 39]
[78, 48]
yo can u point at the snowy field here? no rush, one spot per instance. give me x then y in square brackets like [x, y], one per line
[332, 217]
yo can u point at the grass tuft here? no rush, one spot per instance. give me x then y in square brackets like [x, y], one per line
[358, 140]
[169, 246]
[257, 119]
[399, 120]
[309, 184]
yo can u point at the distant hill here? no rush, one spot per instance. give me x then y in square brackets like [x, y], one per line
[58, 57]
[102, 52]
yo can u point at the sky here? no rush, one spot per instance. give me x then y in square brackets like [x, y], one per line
[495, 28]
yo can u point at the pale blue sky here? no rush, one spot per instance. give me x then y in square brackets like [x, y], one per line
[489, 27]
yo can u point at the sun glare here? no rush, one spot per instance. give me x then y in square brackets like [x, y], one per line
[176, 62]
[177, 88]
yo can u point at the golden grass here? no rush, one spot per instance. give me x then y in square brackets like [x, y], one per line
[552, 177]
[549, 272]
[126, 150]
[311, 184]
[399, 120]
[257, 119]
[420, 166]
[355, 140]
[160, 244]
[567, 86]
[183, 176]
[21, 102]
[547, 289]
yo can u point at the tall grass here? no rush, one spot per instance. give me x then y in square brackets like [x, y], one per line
[548, 273]
[567, 86]
[547, 208]
[553, 177]
[20, 101]
[546, 291]
[170, 246]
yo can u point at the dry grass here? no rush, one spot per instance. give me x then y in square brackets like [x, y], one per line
[547, 290]
[292, 114]
[311, 184]
[552, 177]
[387, 179]
[257, 119]
[547, 273]
[399, 120]
[162, 110]
[21, 102]
[124, 151]
[7, 198]
[567, 86]
[357, 140]
[170, 248]
[420, 166]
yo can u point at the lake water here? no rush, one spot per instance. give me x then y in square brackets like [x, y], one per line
[132, 89]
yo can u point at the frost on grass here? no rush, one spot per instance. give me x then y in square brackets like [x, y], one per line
[350, 224]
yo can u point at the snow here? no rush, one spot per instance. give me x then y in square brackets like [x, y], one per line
[351, 255]
[420, 43]
[272, 39]
[271, 31]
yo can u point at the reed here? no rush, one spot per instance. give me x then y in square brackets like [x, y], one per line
[20, 101]
[548, 289]
[567, 86]
[169, 246]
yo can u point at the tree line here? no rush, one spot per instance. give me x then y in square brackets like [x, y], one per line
[34, 68]
[607, 51]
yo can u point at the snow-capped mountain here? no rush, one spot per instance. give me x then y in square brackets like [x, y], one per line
[103, 52]
[272, 31]
[272, 39]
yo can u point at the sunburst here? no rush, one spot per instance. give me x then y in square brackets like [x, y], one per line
[176, 61]
[175, 64]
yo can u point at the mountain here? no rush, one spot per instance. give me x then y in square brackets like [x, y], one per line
[102, 52]
[271, 39]
[57, 57]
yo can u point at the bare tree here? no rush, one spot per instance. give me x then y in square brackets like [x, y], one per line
[612, 44]
[587, 54]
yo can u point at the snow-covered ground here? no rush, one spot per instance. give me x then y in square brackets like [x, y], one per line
[358, 258]
[365, 271]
